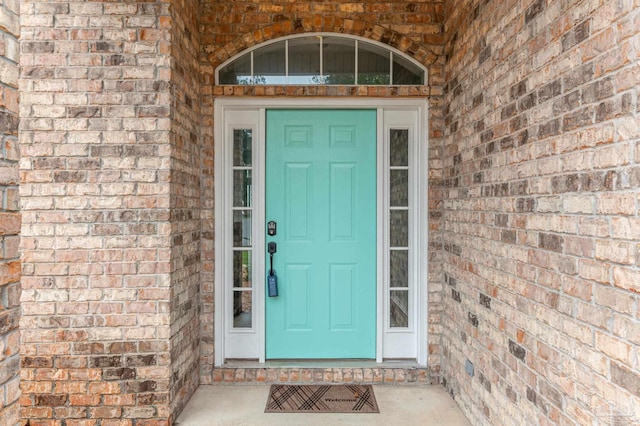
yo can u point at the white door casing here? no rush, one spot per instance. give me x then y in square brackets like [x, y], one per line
[249, 114]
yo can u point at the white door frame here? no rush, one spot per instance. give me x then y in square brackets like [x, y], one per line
[249, 113]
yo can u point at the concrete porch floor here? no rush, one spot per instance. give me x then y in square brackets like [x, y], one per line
[244, 405]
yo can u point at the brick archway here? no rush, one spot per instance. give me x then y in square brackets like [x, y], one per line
[336, 25]
[422, 51]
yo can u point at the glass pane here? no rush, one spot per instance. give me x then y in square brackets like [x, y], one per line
[242, 269]
[405, 72]
[399, 308]
[399, 268]
[339, 60]
[373, 64]
[304, 61]
[242, 147]
[242, 228]
[242, 301]
[399, 228]
[399, 141]
[242, 188]
[237, 72]
[269, 64]
[399, 188]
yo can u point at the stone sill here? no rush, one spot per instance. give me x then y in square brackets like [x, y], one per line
[365, 91]
[347, 371]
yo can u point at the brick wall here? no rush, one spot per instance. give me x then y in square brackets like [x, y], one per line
[533, 196]
[207, 253]
[96, 190]
[540, 225]
[9, 215]
[185, 202]
[416, 28]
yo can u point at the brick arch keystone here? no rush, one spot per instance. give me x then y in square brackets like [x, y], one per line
[319, 24]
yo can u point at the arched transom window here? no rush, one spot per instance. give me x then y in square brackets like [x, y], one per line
[321, 59]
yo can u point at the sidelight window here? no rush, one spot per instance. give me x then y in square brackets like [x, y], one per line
[242, 222]
[399, 245]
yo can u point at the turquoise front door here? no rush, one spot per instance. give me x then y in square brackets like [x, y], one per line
[321, 192]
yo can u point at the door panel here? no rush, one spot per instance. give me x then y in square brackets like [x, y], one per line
[321, 190]
[342, 297]
[298, 304]
[342, 200]
[296, 200]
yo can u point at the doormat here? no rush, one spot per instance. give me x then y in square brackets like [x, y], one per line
[321, 399]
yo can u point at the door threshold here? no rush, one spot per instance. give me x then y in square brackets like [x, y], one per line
[322, 363]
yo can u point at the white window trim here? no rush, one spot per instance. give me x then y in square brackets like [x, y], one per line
[236, 113]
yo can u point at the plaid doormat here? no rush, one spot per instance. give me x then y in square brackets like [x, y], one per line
[321, 399]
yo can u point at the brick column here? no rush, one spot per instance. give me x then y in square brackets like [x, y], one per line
[96, 144]
[186, 228]
[9, 216]
[416, 28]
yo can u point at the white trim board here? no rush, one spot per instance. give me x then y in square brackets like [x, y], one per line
[249, 113]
